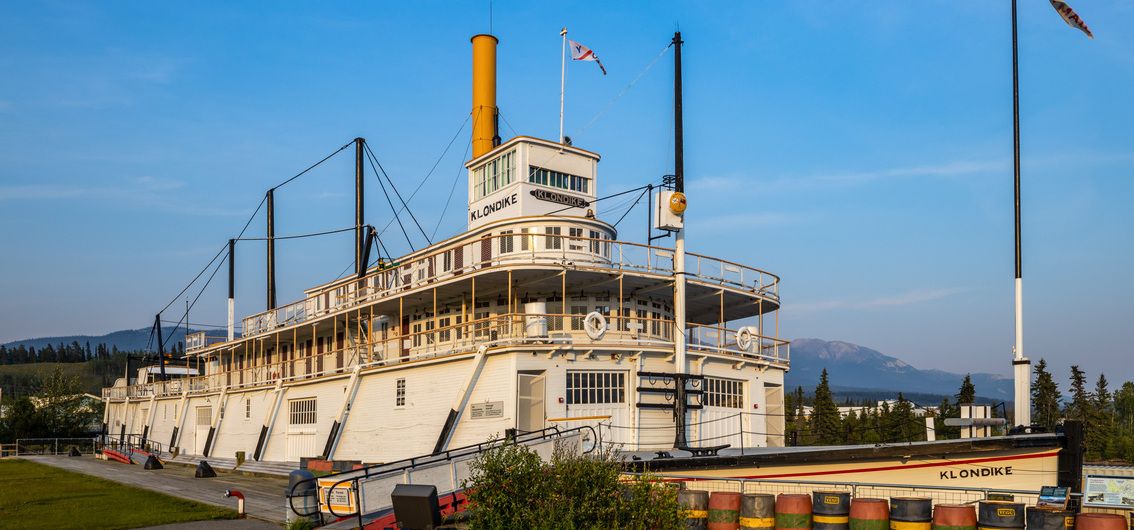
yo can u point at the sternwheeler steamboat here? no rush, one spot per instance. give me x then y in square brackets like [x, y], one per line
[537, 316]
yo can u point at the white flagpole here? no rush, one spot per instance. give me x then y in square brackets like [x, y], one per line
[562, 81]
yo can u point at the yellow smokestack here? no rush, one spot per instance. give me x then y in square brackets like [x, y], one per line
[483, 94]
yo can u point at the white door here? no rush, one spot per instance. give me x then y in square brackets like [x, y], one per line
[202, 425]
[531, 412]
[599, 397]
[721, 420]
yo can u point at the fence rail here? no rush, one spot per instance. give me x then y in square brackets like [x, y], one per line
[54, 446]
[939, 494]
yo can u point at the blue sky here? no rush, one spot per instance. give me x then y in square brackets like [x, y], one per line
[860, 150]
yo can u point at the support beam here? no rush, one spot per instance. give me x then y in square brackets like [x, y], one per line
[461, 401]
[339, 425]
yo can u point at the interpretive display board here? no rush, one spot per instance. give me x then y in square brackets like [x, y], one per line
[1108, 491]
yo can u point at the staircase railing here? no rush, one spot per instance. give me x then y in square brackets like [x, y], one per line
[351, 480]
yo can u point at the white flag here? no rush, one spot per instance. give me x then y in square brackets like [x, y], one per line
[583, 53]
[1070, 17]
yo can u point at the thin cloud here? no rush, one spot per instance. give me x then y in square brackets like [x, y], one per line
[917, 296]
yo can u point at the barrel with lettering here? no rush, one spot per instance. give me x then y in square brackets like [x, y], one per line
[869, 514]
[793, 511]
[724, 510]
[954, 517]
[1040, 519]
[1100, 521]
[694, 505]
[830, 510]
[911, 513]
[757, 511]
[1000, 514]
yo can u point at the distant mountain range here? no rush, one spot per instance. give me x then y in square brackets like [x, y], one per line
[856, 372]
[862, 373]
[125, 340]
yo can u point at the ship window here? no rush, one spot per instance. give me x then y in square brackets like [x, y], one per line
[720, 392]
[447, 261]
[506, 243]
[556, 179]
[495, 174]
[247, 408]
[400, 393]
[595, 387]
[301, 411]
[524, 239]
[577, 313]
[576, 238]
[445, 333]
[552, 240]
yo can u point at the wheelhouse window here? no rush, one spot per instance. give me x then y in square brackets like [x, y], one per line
[553, 241]
[556, 179]
[495, 174]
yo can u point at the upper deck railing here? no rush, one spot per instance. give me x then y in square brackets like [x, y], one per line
[509, 250]
[561, 332]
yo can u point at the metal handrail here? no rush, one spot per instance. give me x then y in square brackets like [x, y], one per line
[409, 463]
[503, 330]
[599, 253]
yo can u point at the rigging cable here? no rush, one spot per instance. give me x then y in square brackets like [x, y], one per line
[405, 205]
[391, 203]
[453, 188]
[624, 90]
[632, 206]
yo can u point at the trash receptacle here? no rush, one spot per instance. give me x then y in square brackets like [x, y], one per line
[302, 497]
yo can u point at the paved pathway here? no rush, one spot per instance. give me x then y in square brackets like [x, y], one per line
[264, 496]
[231, 524]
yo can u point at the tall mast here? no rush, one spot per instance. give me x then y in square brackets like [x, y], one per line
[271, 291]
[231, 289]
[1021, 366]
[359, 232]
[679, 343]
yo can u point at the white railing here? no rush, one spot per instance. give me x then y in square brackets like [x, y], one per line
[509, 250]
[542, 330]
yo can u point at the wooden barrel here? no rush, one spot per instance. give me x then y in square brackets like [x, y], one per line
[830, 510]
[694, 505]
[999, 514]
[793, 511]
[724, 510]
[911, 513]
[1100, 521]
[954, 517]
[869, 514]
[757, 511]
[1040, 519]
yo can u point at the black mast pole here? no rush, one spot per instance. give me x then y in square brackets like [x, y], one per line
[678, 132]
[1016, 136]
[160, 345]
[271, 249]
[1020, 363]
[359, 229]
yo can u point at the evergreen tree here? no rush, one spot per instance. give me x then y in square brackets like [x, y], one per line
[1080, 406]
[825, 420]
[1045, 398]
[967, 394]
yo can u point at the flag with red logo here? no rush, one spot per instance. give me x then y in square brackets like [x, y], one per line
[1071, 17]
[583, 53]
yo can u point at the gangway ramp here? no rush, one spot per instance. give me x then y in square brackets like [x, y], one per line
[361, 498]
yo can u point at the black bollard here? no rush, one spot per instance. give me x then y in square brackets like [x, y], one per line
[204, 470]
[153, 463]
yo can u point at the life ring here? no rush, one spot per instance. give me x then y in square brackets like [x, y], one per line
[595, 325]
[744, 337]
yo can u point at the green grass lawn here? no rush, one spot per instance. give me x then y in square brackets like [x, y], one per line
[34, 496]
